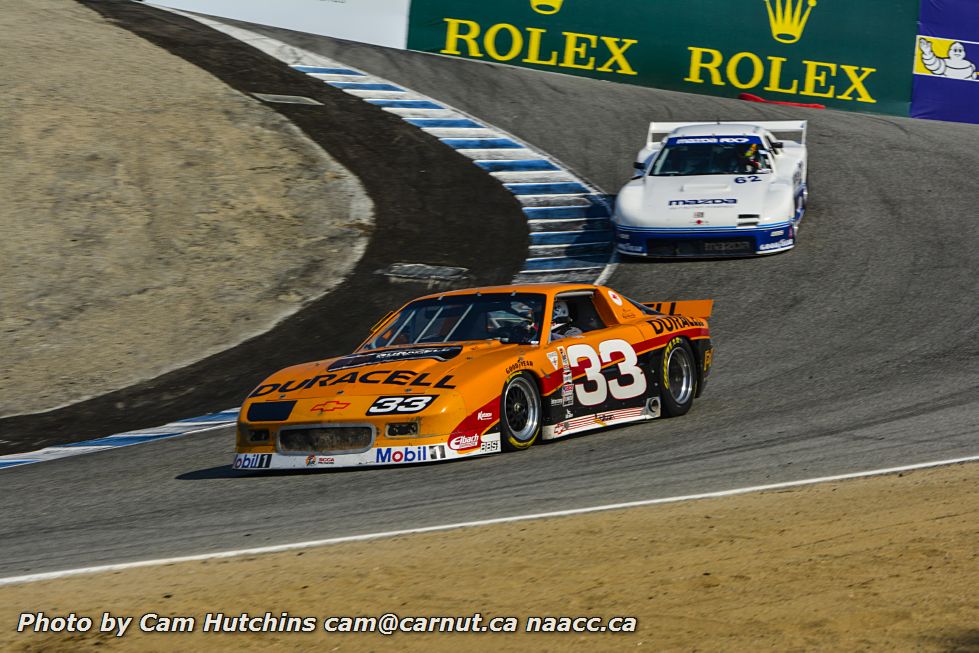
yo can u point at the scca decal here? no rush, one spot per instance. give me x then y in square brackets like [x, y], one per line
[383, 377]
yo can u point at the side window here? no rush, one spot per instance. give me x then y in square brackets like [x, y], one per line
[584, 315]
[574, 315]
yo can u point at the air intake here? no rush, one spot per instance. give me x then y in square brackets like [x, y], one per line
[326, 439]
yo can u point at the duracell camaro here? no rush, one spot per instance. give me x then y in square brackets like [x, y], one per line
[479, 371]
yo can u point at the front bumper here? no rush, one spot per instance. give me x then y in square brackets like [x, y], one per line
[704, 242]
[402, 454]
[340, 432]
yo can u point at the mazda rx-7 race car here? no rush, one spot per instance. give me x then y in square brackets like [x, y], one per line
[715, 189]
[478, 371]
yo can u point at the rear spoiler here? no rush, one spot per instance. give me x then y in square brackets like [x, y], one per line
[691, 308]
[793, 130]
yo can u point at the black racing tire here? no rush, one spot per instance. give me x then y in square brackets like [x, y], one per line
[521, 413]
[677, 377]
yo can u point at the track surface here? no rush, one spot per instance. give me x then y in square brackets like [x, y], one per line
[857, 350]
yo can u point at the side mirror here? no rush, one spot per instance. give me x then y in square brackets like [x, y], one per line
[639, 165]
[777, 145]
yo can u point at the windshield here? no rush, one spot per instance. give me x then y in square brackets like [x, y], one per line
[509, 317]
[693, 156]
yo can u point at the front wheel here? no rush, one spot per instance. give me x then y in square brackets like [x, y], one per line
[678, 378]
[520, 413]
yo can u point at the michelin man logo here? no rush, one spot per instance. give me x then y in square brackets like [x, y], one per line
[955, 65]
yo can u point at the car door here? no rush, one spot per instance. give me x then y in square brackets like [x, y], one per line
[600, 368]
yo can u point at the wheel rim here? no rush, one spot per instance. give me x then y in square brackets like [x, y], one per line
[522, 409]
[679, 370]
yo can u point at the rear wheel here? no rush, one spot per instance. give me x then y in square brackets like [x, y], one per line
[520, 413]
[678, 377]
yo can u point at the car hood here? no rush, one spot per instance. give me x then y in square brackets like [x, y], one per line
[382, 371]
[702, 201]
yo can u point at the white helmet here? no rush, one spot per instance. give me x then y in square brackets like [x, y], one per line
[561, 313]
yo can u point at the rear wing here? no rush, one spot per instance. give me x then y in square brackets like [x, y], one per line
[792, 130]
[691, 308]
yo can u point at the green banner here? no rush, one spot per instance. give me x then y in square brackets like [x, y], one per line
[841, 53]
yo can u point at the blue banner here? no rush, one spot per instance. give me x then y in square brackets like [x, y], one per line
[946, 61]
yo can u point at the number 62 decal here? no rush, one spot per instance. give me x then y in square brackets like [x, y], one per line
[595, 388]
[401, 405]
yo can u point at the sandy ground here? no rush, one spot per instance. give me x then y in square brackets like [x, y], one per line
[888, 563]
[150, 215]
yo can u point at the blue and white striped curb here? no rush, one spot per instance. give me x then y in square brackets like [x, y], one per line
[171, 430]
[569, 219]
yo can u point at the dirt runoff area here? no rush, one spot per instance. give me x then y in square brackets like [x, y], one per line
[151, 215]
[888, 563]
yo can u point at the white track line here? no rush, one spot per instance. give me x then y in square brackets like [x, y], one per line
[52, 575]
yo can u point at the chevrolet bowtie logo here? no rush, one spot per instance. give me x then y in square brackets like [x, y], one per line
[327, 406]
[546, 7]
[787, 19]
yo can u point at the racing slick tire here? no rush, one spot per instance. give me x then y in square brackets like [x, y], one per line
[678, 378]
[520, 413]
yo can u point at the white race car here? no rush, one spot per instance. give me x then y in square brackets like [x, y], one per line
[715, 189]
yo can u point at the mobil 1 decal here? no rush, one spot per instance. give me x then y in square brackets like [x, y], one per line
[609, 376]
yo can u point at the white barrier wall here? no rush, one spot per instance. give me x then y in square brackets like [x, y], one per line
[380, 22]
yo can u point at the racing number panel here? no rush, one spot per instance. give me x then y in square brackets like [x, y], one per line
[627, 379]
[607, 374]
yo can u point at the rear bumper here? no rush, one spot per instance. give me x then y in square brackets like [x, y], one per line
[704, 243]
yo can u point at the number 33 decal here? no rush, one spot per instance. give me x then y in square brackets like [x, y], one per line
[402, 405]
[594, 388]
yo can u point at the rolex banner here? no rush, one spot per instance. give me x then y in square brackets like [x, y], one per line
[840, 53]
[946, 81]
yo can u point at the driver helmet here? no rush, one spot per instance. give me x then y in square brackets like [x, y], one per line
[560, 316]
[525, 311]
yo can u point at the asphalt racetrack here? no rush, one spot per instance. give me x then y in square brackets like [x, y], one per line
[857, 350]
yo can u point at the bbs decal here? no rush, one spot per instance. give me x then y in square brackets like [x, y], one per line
[594, 389]
[400, 405]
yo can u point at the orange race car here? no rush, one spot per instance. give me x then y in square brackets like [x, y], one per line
[477, 371]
